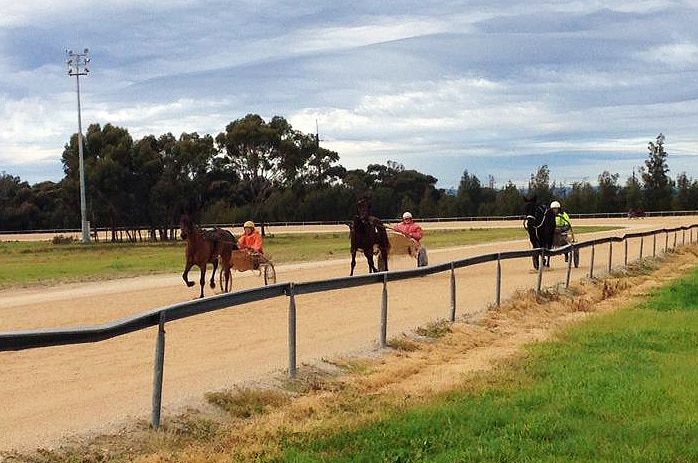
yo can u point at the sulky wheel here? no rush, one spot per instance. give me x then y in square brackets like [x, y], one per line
[269, 274]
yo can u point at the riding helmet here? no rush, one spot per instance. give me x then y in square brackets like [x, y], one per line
[248, 224]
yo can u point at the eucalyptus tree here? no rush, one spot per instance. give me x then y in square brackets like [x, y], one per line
[608, 199]
[109, 170]
[539, 184]
[657, 186]
[18, 210]
[581, 199]
[264, 155]
[632, 193]
[469, 194]
[686, 198]
[508, 201]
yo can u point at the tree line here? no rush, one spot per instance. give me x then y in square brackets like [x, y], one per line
[269, 172]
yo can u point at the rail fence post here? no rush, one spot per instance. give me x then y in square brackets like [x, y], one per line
[292, 343]
[453, 292]
[591, 265]
[642, 243]
[674, 248]
[158, 371]
[541, 264]
[666, 242]
[569, 266]
[654, 245]
[625, 261]
[498, 295]
[610, 256]
[384, 312]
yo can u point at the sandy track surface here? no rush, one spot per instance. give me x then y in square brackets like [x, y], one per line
[55, 393]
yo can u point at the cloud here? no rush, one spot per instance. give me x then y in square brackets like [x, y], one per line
[494, 87]
[678, 56]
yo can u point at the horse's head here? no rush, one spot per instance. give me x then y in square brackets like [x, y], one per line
[363, 206]
[530, 207]
[186, 227]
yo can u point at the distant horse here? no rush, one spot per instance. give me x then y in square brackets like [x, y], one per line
[203, 248]
[539, 221]
[636, 213]
[368, 233]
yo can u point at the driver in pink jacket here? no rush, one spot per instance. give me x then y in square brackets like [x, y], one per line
[409, 227]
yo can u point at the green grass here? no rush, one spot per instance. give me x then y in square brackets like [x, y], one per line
[27, 263]
[620, 387]
[44, 262]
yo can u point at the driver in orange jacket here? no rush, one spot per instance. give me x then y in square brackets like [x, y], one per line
[251, 238]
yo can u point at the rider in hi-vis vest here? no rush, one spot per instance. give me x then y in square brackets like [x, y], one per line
[562, 220]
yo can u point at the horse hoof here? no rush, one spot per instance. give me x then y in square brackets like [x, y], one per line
[190, 283]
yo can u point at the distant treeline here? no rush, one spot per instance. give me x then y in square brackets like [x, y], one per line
[269, 172]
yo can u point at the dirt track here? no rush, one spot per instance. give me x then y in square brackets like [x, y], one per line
[62, 391]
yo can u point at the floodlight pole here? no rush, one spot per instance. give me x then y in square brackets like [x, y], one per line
[78, 66]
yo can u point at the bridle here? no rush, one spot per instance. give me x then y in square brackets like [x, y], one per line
[530, 218]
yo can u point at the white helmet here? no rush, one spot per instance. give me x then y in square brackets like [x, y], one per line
[555, 204]
[407, 215]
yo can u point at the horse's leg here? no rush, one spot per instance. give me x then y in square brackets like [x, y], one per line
[202, 279]
[212, 283]
[185, 274]
[227, 278]
[369, 258]
[536, 257]
[353, 261]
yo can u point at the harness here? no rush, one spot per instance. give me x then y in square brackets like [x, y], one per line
[543, 209]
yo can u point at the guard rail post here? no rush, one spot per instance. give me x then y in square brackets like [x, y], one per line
[642, 243]
[654, 245]
[291, 331]
[541, 264]
[384, 312]
[453, 292]
[498, 295]
[610, 256]
[625, 261]
[570, 258]
[158, 373]
[591, 264]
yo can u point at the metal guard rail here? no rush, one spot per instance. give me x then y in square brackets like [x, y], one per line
[29, 339]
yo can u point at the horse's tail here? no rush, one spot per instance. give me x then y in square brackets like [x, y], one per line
[383, 237]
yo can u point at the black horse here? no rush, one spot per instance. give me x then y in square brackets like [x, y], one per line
[368, 233]
[539, 221]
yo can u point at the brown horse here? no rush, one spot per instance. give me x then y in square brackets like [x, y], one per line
[368, 233]
[203, 248]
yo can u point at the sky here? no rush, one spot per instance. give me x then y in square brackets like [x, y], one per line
[497, 88]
